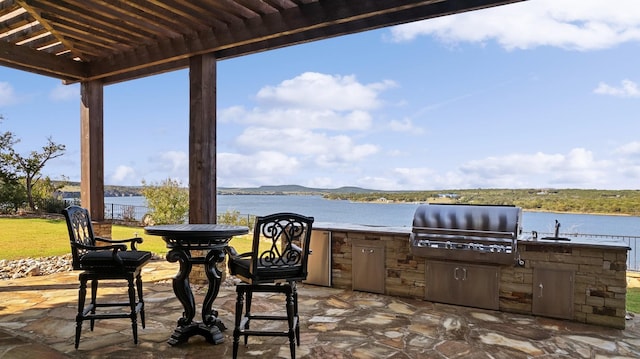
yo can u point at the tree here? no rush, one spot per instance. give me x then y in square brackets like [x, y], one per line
[47, 195]
[7, 140]
[168, 202]
[30, 167]
[12, 194]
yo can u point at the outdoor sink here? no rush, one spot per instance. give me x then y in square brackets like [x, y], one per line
[555, 239]
[556, 236]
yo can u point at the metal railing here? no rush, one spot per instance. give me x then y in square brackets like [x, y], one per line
[134, 215]
[124, 213]
[129, 214]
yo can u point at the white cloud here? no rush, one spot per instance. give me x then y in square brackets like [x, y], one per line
[314, 101]
[570, 24]
[7, 95]
[629, 149]
[177, 162]
[65, 93]
[301, 118]
[405, 125]
[320, 91]
[263, 167]
[164, 165]
[123, 175]
[576, 169]
[327, 150]
[627, 88]
[321, 182]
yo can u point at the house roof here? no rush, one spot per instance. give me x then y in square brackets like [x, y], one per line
[114, 41]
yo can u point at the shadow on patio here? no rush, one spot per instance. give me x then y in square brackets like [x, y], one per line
[37, 321]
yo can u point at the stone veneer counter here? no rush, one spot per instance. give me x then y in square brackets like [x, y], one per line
[582, 280]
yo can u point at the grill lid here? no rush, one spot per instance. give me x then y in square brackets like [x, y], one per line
[477, 233]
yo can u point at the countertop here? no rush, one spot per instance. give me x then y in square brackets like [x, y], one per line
[329, 226]
[579, 240]
[575, 240]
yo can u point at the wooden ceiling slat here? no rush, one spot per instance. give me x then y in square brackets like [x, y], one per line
[90, 49]
[17, 21]
[159, 15]
[43, 42]
[281, 4]
[129, 14]
[211, 15]
[230, 7]
[57, 49]
[71, 12]
[8, 6]
[181, 8]
[82, 30]
[22, 34]
[102, 44]
[31, 37]
[259, 7]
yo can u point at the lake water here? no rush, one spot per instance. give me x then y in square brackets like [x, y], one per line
[400, 214]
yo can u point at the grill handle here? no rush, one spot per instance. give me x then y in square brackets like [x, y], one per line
[462, 232]
[456, 275]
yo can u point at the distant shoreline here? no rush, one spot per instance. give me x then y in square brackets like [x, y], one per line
[588, 213]
[397, 202]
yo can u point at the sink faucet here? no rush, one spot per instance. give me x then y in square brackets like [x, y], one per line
[557, 232]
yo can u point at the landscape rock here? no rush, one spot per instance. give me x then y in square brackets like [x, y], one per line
[31, 267]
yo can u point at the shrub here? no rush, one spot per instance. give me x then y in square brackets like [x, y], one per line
[52, 205]
[168, 202]
[234, 217]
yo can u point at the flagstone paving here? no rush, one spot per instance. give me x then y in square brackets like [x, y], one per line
[37, 321]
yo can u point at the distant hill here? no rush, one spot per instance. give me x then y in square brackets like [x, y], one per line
[290, 189]
[72, 190]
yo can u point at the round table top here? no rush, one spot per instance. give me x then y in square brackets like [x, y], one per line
[196, 230]
[196, 235]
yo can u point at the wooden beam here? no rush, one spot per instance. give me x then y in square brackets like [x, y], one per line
[40, 62]
[202, 139]
[92, 148]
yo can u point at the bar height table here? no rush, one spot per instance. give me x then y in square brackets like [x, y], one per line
[181, 239]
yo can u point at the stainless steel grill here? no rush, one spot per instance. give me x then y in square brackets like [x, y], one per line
[470, 233]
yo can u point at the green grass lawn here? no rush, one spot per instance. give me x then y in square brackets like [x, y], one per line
[633, 300]
[35, 237]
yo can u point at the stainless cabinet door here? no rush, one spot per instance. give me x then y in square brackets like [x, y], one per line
[553, 293]
[368, 266]
[319, 265]
[459, 283]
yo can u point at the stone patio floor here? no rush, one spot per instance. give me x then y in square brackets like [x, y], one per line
[37, 321]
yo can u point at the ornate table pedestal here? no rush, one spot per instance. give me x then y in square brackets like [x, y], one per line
[181, 239]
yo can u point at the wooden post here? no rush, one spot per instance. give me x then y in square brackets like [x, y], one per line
[202, 150]
[92, 148]
[202, 139]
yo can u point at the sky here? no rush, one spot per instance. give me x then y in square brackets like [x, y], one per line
[537, 94]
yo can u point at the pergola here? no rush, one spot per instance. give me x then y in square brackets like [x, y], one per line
[101, 42]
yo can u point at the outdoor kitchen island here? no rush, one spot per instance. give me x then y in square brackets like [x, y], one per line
[582, 280]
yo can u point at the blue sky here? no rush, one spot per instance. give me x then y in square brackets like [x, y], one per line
[539, 94]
